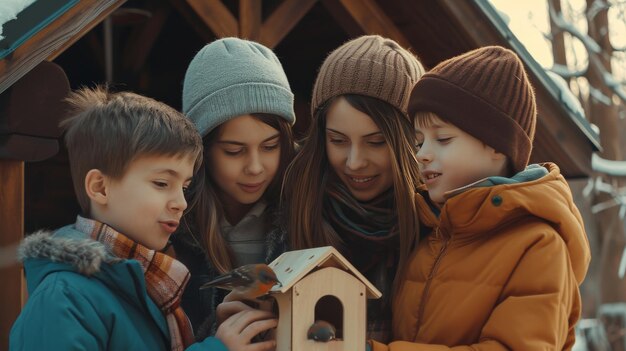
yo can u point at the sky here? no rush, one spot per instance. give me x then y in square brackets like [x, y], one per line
[528, 19]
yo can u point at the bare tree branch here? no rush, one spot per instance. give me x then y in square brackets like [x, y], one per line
[599, 96]
[610, 167]
[593, 49]
[590, 44]
[608, 78]
[595, 8]
[567, 73]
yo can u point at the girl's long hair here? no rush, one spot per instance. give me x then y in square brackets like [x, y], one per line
[208, 210]
[307, 176]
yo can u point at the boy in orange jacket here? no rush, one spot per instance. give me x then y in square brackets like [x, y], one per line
[502, 267]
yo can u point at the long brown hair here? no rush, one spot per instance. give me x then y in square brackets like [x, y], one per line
[307, 177]
[208, 209]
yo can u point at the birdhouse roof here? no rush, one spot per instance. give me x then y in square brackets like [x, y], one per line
[292, 266]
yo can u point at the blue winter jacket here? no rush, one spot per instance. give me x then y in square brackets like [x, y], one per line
[81, 298]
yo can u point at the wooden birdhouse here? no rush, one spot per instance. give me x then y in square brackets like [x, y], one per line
[320, 284]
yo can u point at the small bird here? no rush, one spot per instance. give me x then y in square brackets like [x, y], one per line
[321, 331]
[247, 282]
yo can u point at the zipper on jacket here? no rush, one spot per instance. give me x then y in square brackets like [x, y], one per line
[431, 275]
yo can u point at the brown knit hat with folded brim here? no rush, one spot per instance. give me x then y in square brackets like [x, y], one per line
[369, 65]
[487, 94]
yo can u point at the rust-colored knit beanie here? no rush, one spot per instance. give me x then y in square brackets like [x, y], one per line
[369, 65]
[487, 94]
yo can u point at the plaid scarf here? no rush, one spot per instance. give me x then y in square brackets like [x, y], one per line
[165, 277]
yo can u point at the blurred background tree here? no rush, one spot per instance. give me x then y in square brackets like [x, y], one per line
[589, 50]
[582, 45]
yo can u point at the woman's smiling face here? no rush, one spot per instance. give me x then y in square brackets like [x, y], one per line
[357, 151]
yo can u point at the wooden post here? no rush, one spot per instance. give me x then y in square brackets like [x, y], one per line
[11, 233]
[144, 36]
[250, 19]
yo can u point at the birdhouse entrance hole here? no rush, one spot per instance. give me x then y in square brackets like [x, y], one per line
[330, 309]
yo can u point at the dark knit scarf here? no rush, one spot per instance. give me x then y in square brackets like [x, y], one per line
[369, 229]
[369, 232]
[165, 277]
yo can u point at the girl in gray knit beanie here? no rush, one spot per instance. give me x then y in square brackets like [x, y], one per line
[352, 184]
[237, 94]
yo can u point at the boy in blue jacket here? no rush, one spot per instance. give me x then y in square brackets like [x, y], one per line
[102, 283]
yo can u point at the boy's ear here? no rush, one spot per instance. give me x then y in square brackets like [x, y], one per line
[496, 156]
[96, 186]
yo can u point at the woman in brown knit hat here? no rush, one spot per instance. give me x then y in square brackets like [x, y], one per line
[352, 185]
[501, 269]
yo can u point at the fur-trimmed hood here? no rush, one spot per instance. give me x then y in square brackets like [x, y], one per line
[96, 300]
[69, 250]
[85, 254]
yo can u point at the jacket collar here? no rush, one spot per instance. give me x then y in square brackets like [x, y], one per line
[68, 249]
[482, 210]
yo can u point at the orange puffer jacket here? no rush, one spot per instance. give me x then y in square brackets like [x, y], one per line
[500, 271]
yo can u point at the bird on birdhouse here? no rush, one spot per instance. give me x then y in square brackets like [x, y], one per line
[247, 282]
[321, 331]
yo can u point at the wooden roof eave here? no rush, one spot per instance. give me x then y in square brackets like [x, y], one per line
[52, 40]
[572, 140]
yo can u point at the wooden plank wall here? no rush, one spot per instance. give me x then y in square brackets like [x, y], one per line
[11, 232]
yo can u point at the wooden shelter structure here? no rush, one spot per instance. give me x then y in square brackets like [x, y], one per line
[146, 45]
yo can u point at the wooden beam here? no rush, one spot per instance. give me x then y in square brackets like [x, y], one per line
[216, 16]
[77, 34]
[143, 37]
[51, 41]
[373, 20]
[343, 18]
[476, 28]
[282, 21]
[11, 233]
[250, 19]
[192, 18]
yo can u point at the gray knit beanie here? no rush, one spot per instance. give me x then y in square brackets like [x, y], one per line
[231, 77]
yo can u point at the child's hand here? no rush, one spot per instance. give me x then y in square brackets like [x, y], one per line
[232, 304]
[237, 331]
[227, 309]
